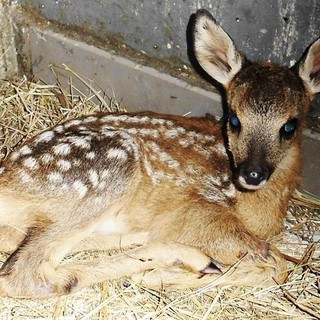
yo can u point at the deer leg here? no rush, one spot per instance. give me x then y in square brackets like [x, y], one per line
[154, 255]
[230, 243]
[31, 270]
[246, 272]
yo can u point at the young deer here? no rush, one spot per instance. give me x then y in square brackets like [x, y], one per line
[163, 184]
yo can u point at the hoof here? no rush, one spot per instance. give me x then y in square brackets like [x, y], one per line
[214, 267]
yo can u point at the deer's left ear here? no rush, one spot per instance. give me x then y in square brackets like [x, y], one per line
[214, 49]
[309, 68]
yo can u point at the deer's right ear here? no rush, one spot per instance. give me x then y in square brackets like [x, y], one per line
[309, 67]
[214, 49]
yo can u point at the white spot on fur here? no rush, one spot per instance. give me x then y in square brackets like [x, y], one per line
[64, 165]
[108, 131]
[94, 178]
[183, 182]
[184, 143]
[161, 122]
[173, 164]
[191, 169]
[165, 157]
[117, 153]
[153, 146]
[157, 121]
[214, 191]
[149, 132]
[90, 155]
[213, 196]
[130, 144]
[210, 181]
[45, 136]
[89, 119]
[114, 118]
[230, 192]
[71, 123]
[202, 151]
[25, 150]
[59, 128]
[138, 119]
[195, 135]
[55, 177]
[221, 149]
[148, 167]
[14, 156]
[84, 128]
[144, 119]
[181, 130]
[24, 176]
[80, 187]
[209, 138]
[79, 142]
[225, 177]
[46, 158]
[132, 130]
[62, 149]
[171, 134]
[31, 163]
[2, 170]
[157, 177]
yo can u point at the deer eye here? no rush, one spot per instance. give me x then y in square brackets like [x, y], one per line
[288, 129]
[234, 122]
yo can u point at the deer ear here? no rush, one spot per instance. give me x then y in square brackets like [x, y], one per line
[309, 67]
[214, 49]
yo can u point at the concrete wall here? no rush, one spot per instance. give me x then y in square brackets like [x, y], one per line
[274, 29]
[8, 56]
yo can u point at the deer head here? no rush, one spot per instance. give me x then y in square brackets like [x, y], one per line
[266, 103]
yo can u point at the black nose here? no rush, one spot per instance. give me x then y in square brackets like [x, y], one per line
[254, 176]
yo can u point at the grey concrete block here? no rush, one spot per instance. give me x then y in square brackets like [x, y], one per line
[276, 30]
[135, 86]
[8, 54]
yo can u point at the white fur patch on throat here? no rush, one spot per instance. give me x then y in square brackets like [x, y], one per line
[251, 186]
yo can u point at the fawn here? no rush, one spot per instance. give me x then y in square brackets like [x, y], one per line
[186, 196]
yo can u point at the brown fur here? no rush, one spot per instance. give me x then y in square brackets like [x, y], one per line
[162, 188]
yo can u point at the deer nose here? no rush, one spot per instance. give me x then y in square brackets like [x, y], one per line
[254, 176]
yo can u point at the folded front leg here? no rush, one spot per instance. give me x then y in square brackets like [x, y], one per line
[152, 256]
[248, 271]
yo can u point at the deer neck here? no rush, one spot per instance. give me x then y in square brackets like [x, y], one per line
[269, 204]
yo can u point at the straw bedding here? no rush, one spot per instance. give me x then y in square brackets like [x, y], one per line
[27, 108]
